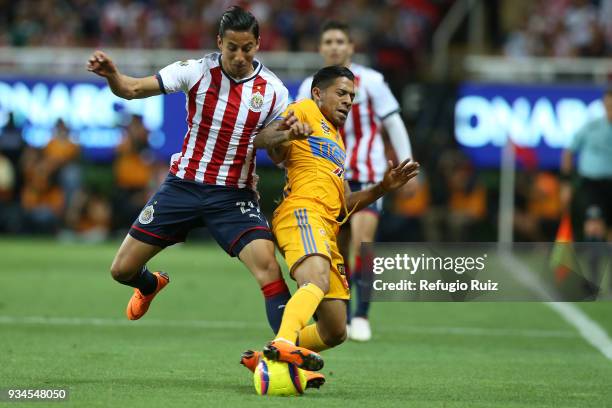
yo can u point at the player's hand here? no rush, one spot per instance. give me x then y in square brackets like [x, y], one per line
[99, 63]
[395, 177]
[299, 130]
[288, 121]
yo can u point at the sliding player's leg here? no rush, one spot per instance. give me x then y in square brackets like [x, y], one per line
[312, 276]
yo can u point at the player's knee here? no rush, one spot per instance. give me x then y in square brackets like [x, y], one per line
[267, 271]
[335, 335]
[121, 271]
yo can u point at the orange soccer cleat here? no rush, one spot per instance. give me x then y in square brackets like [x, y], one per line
[305, 359]
[250, 359]
[139, 303]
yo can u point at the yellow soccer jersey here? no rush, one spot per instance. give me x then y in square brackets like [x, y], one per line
[315, 166]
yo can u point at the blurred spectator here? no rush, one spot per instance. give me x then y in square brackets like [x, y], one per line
[133, 170]
[61, 157]
[12, 147]
[537, 207]
[41, 199]
[468, 201]
[90, 216]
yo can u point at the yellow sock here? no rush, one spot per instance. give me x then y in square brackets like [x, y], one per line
[310, 338]
[299, 310]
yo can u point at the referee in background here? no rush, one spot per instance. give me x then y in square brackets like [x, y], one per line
[592, 145]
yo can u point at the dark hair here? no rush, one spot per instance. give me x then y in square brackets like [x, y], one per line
[238, 19]
[336, 25]
[325, 76]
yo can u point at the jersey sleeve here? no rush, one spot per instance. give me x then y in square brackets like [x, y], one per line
[304, 91]
[280, 104]
[180, 76]
[383, 100]
[298, 111]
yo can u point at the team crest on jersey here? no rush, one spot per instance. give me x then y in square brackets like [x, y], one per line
[257, 101]
[325, 127]
[183, 63]
[146, 215]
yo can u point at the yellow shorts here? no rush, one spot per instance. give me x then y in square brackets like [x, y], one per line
[300, 233]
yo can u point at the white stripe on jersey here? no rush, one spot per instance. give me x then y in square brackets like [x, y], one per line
[243, 112]
[197, 119]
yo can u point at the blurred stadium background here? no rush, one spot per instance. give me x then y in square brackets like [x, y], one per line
[481, 83]
[78, 162]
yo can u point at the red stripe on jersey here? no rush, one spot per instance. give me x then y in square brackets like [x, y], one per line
[208, 112]
[358, 135]
[225, 133]
[233, 175]
[373, 130]
[191, 102]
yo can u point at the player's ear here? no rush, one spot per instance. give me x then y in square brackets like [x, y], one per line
[316, 94]
[257, 44]
[219, 42]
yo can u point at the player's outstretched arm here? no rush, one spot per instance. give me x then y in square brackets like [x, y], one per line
[122, 85]
[395, 177]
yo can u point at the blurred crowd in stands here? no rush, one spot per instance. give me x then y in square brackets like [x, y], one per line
[55, 190]
[559, 28]
[391, 31]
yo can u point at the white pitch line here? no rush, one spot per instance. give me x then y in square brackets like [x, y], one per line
[590, 331]
[237, 325]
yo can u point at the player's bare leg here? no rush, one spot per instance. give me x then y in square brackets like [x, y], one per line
[312, 276]
[258, 256]
[363, 229]
[129, 268]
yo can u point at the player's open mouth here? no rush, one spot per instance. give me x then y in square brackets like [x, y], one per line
[343, 112]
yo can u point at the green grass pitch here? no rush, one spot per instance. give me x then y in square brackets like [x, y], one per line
[62, 324]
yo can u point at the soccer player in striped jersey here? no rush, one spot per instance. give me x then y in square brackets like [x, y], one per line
[374, 107]
[230, 97]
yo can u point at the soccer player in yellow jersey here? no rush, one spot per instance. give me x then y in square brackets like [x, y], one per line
[305, 224]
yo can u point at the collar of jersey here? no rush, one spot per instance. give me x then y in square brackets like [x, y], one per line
[256, 65]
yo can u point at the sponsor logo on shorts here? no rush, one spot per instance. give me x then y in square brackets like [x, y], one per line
[146, 215]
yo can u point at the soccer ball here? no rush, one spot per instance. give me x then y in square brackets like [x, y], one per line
[278, 378]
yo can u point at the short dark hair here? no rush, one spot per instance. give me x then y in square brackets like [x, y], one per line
[325, 76]
[238, 19]
[336, 25]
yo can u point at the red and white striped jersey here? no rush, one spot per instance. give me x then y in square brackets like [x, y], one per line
[365, 150]
[223, 117]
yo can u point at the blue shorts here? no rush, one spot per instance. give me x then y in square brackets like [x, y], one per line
[377, 206]
[232, 215]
